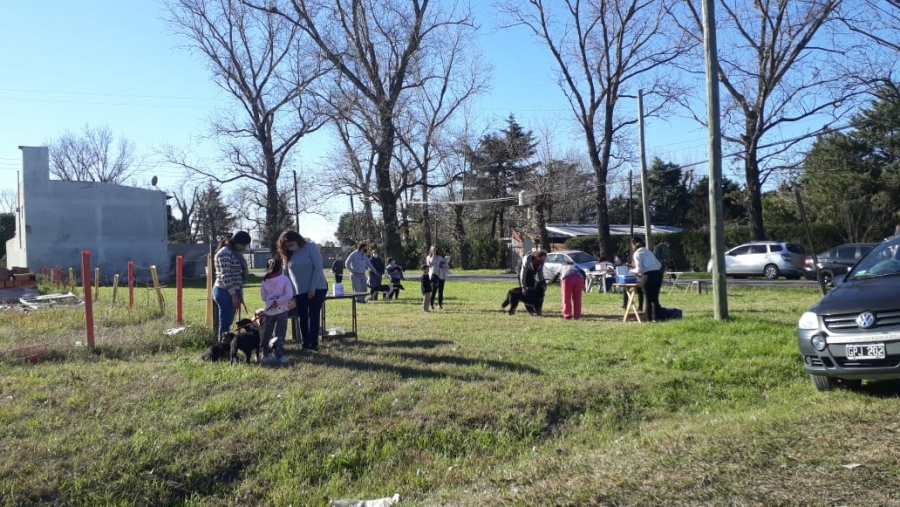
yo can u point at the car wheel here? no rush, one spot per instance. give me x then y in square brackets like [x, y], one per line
[823, 383]
[828, 278]
[770, 272]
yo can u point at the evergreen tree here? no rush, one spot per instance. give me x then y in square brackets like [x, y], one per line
[500, 168]
[213, 218]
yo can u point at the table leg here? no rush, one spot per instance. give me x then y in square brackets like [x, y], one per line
[674, 279]
[630, 307]
[322, 328]
[353, 317]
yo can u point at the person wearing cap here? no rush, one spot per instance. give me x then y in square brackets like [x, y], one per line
[231, 274]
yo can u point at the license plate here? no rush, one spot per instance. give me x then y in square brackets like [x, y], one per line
[866, 351]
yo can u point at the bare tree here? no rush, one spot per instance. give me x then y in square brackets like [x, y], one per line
[92, 155]
[261, 61]
[605, 50]
[878, 20]
[8, 200]
[380, 50]
[785, 62]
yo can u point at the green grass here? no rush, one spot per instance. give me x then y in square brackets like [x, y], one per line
[465, 406]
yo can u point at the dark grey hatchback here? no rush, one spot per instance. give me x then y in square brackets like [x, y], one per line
[853, 333]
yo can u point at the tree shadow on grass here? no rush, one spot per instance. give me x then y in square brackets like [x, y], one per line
[420, 344]
[324, 359]
[462, 361]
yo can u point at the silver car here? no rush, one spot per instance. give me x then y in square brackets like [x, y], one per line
[769, 259]
[555, 260]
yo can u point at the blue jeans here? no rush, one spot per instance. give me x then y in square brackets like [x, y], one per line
[226, 308]
[309, 317]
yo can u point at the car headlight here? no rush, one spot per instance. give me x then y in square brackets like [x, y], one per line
[809, 320]
[819, 342]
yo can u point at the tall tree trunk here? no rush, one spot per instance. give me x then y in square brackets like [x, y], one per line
[754, 195]
[459, 234]
[600, 165]
[392, 245]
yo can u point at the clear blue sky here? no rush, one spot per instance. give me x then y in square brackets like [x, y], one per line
[116, 63]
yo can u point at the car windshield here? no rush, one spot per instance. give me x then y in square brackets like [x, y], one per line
[579, 257]
[883, 260]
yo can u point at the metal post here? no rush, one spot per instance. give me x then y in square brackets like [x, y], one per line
[296, 202]
[645, 187]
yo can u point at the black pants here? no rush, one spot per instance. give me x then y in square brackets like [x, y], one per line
[652, 282]
[338, 277]
[640, 296]
[437, 291]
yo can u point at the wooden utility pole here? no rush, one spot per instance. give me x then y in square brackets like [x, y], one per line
[645, 188]
[716, 211]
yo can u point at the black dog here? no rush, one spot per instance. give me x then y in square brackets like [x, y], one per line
[247, 341]
[533, 299]
[218, 352]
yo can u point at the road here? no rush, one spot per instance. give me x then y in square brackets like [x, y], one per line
[752, 282]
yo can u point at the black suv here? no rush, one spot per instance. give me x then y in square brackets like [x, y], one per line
[837, 261]
[853, 332]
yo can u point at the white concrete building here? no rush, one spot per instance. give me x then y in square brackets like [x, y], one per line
[57, 220]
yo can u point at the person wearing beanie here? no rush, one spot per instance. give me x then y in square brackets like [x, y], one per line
[231, 274]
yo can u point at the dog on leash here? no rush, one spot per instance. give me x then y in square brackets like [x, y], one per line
[533, 299]
[218, 352]
[247, 340]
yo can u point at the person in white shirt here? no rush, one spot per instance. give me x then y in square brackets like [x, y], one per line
[356, 264]
[649, 269]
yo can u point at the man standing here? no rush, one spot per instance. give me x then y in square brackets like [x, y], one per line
[662, 255]
[376, 273]
[532, 272]
[338, 269]
[356, 264]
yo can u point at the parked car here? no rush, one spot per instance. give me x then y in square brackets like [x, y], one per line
[555, 260]
[853, 332]
[770, 259]
[836, 262]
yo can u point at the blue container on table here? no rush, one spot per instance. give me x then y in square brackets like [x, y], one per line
[625, 276]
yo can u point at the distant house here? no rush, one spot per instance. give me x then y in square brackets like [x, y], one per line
[57, 220]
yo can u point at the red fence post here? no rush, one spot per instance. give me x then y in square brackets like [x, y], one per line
[59, 278]
[88, 306]
[130, 284]
[179, 272]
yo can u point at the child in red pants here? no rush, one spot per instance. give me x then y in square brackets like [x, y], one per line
[571, 278]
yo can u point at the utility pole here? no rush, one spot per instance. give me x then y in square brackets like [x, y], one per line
[716, 211]
[630, 204]
[645, 188]
[296, 202]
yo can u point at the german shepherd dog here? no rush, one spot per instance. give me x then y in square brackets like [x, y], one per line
[533, 299]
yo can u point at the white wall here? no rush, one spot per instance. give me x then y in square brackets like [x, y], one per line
[61, 219]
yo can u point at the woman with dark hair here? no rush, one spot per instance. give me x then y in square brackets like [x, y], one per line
[649, 269]
[439, 268]
[303, 264]
[231, 273]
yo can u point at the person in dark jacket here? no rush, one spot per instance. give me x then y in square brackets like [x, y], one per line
[532, 272]
[426, 288]
[376, 273]
[337, 267]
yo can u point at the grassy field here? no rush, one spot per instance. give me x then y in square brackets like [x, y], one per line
[465, 406]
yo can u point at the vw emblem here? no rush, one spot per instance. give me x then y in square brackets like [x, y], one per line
[865, 320]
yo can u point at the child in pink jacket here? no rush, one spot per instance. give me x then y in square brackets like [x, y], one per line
[276, 290]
